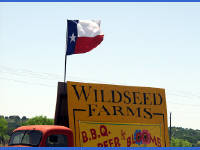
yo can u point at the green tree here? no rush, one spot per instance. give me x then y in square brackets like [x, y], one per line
[190, 135]
[3, 130]
[39, 120]
[180, 143]
[198, 144]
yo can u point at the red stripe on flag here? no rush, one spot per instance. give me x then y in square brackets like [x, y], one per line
[86, 44]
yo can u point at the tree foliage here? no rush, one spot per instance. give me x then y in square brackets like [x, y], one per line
[3, 126]
[180, 143]
[39, 120]
[3, 130]
[190, 135]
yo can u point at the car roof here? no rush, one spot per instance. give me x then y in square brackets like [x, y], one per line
[43, 128]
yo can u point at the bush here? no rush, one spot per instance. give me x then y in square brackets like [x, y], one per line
[39, 120]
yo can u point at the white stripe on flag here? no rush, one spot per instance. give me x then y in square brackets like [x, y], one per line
[89, 28]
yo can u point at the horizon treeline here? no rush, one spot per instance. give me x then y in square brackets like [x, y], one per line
[181, 137]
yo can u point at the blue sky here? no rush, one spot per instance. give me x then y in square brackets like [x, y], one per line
[145, 44]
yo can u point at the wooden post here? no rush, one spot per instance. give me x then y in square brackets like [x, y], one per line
[61, 113]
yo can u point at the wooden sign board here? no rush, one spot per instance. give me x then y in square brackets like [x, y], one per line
[103, 115]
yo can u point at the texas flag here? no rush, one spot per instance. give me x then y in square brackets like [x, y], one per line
[83, 36]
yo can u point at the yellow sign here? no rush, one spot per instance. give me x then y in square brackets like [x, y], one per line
[96, 134]
[125, 109]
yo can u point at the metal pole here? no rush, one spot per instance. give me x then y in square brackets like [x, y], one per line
[66, 53]
[65, 68]
[170, 127]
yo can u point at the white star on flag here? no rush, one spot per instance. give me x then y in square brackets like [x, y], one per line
[72, 38]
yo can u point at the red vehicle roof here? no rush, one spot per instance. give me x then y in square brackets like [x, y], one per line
[43, 128]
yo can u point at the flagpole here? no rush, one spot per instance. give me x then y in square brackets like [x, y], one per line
[65, 67]
[65, 57]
